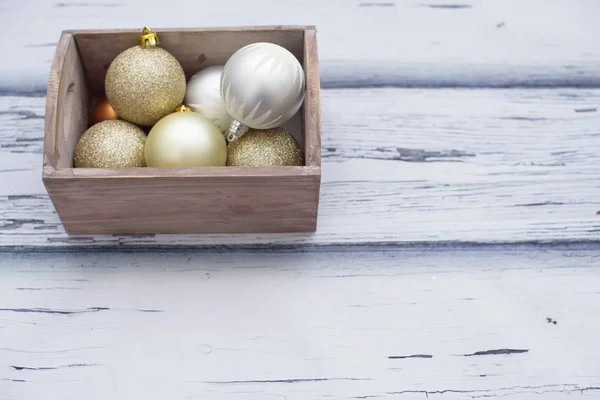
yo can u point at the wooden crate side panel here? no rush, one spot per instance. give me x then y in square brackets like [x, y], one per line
[52, 95]
[67, 117]
[312, 105]
[186, 204]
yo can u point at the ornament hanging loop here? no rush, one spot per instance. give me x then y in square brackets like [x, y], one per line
[236, 130]
[149, 38]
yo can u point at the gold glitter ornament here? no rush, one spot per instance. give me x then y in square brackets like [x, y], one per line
[185, 139]
[270, 147]
[145, 83]
[111, 144]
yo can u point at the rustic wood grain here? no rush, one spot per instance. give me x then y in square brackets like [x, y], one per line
[399, 165]
[68, 113]
[493, 43]
[312, 106]
[129, 204]
[52, 97]
[425, 322]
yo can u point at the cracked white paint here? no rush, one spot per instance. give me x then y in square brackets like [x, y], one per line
[399, 165]
[319, 324]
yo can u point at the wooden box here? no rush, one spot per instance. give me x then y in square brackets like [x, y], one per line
[174, 200]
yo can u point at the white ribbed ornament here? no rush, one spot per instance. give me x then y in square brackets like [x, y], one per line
[263, 86]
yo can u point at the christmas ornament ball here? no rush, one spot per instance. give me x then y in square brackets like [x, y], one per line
[144, 84]
[262, 85]
[102, 111]
[185, 139]
[258, 148]
[203, 95]
[111, 144]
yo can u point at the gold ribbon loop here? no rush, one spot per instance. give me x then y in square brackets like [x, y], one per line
[183, 108]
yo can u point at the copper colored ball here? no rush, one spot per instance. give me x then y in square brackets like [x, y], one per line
[102, 111]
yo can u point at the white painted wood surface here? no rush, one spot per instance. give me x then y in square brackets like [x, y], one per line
[301, 326]
[386, 300]
[399, 165]
[361, 42]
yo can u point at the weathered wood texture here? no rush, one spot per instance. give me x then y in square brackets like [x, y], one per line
[208, 203]
[362, 43]
[415, 324]
[399, 165]
[312, 114]
[67, 107]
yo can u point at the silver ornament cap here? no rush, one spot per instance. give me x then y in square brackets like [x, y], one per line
[263, 86]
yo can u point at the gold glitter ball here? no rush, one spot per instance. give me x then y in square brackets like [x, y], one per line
[111, 144]
[145, 84]
[269, 147]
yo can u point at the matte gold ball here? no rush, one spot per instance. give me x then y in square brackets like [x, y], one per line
[111, 144]
[270, 147]
[144, 84]
[185, 139]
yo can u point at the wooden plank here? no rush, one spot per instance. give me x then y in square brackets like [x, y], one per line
[312, 105]
[68, 113]
[421, 323]
[53, 94]
[362, 43]
[129, 204]
[399, 165]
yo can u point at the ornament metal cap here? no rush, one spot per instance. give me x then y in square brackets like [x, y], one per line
[149, 38]
[236, 130]
[183, 108]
